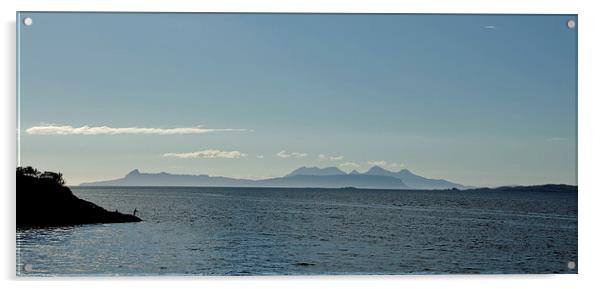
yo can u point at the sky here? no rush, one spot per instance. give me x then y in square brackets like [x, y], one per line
[482, 100]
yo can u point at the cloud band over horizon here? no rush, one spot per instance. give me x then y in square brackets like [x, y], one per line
[106, 130]
[285, 155]
[207, 154]
[382, 163]
[323, 157]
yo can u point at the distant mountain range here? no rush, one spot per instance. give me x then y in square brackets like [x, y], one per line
[304, 177]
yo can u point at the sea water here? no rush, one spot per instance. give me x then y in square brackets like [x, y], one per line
[274, 231]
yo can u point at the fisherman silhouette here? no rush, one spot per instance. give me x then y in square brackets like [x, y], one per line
[135, 211]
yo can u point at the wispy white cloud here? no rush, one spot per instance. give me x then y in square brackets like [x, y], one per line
[377, 163]
[490, 27]
[107, 130]
[386, 164]
[207, 154]
[260, 156]
[323, 157]
[298, 155]
[285, 155]
[395, 165]
[349, 165]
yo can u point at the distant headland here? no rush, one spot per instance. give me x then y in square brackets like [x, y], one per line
[44, 201]
[304, 177]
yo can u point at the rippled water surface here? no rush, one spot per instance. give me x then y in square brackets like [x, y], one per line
[261, 231]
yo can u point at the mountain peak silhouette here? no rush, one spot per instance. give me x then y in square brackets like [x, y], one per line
[316, 171]
[415, 181]
[376, 170]
[134, 172]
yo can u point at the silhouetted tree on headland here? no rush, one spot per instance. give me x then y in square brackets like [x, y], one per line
[27, 171]
[43, 200]
[34, 173]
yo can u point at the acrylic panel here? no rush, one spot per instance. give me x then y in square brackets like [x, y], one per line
[296, 144]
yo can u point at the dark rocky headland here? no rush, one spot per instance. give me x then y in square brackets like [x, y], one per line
[44, 201]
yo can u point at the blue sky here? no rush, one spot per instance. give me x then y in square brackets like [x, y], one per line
[480, 100]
